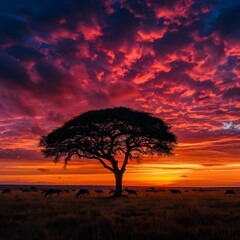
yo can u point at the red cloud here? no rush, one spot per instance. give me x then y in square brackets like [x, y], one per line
[170, 58]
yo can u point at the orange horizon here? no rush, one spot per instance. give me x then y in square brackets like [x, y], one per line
[203, 163]
[144, 174]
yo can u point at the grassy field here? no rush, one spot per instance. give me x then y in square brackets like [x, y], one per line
[149, 216]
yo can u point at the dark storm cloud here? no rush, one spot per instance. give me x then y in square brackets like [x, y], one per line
[181, 66]
[48, 72]
[12, 74]
[24, 53]
[166, 3]
[220, 16]
[69, 50]
[53, 78]
[228, 21]
[233, 93]
[121, 27]
[171, 42]
[140, 8]
[13, 28]
[42, 16]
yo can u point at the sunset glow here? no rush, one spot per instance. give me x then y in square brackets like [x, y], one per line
[179, 60]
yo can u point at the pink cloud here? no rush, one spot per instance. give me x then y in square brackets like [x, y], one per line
[170, 58]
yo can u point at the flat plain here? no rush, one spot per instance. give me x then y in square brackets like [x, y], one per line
[147, 216]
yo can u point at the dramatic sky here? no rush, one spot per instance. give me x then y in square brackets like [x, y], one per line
[177, 59]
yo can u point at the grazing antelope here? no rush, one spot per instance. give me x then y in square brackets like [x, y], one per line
[83, 192]
[175, 191]
[230, 192]
[99, 191]
[6, 191]
[51, 192]
[131, 192]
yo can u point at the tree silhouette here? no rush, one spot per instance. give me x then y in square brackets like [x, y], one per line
[112, 136]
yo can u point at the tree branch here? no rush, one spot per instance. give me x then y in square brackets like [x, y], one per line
[125, 162]
[104, 164]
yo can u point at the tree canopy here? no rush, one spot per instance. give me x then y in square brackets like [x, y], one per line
[107, 134]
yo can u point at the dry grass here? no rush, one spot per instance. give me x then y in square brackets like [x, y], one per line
[150, 216]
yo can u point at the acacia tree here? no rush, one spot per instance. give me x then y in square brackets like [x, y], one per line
[112, 136]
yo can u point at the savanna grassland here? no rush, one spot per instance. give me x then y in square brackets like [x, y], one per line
[148, 216]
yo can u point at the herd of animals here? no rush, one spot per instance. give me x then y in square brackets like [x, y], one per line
[85, 192]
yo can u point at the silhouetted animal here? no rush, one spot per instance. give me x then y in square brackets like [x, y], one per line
[83, 192]
[175, 191]
[52, 191]
[131, 192]
[99, 191]
[230, 192]
[6, 191]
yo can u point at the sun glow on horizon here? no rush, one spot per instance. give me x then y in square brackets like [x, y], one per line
[142, 174]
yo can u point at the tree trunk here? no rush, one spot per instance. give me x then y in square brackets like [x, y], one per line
[118, 178]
